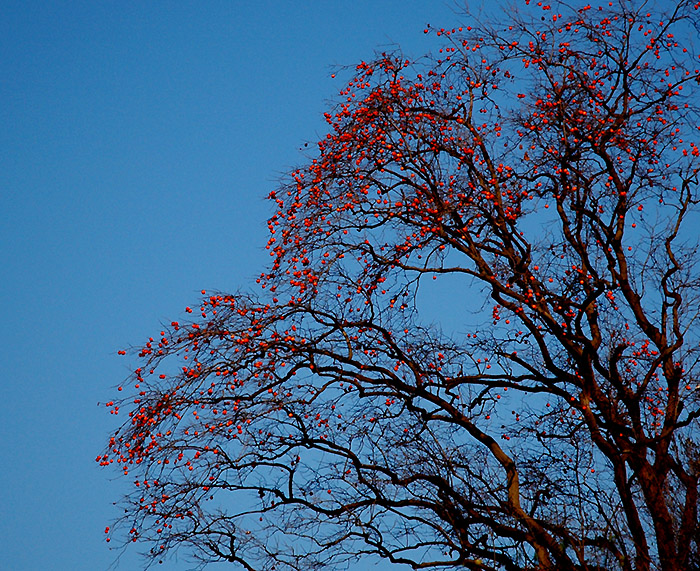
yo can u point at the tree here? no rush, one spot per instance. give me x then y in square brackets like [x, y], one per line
[548, 168]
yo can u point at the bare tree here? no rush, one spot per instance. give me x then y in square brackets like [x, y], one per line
[548, 168]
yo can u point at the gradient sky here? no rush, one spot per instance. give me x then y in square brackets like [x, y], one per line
[137, 142]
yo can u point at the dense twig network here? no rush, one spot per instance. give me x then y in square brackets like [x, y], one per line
[547, 166]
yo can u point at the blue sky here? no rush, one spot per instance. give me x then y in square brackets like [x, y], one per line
[137, 143]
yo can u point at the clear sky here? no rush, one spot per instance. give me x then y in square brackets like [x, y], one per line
[137, 141]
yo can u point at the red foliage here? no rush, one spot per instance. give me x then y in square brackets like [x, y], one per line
[549, 165]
